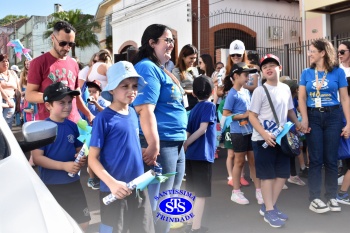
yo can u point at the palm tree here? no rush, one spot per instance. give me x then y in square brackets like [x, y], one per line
[84, 24]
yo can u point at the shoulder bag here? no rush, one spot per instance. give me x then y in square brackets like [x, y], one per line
[290, 142]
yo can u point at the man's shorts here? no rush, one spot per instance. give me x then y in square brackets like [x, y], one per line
[241, 143]
[270, 162]
[72, 199]
[132, 213]
[198, 177]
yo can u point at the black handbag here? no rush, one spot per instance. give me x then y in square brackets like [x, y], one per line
[289, 142]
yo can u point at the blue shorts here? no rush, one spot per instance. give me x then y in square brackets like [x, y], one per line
[270, 163]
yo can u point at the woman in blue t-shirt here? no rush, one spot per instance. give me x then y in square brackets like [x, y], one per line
[161, 113]
[322, 116]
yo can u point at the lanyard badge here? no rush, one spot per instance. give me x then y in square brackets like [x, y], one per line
[318, 102]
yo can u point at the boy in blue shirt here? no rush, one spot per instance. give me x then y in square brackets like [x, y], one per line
[115, 154]
[200, 147]
[95, 104]
[56, 160]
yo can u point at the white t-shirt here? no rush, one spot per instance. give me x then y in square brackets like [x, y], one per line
[282, 100]
[84, 73]
[346, 70]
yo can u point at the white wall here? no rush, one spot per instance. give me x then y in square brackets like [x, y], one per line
[259, 24]
[130, 24]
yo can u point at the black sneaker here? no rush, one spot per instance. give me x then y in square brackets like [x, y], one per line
[318, 206]
[333, 205]
[304, 173]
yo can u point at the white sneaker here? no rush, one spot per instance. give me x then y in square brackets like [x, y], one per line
[333, 205]
[296, 180]
[239, 198]
[340, 180]
[285, 186]
[259, 197]
[319, 206]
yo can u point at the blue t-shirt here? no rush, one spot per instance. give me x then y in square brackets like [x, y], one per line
[62, 149]
[93, 109]
[204, 147]
[237, 102]
[117, 136]
[162, 92]
[329, 90]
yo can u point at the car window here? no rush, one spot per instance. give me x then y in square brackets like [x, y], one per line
[4, 146]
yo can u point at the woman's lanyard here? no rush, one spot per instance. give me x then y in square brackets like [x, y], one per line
[319, 84]
[175, 81]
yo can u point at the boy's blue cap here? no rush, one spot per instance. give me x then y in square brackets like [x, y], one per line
[116, 74]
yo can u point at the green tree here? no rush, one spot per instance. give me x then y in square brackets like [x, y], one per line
[84, 24]
[8, 19]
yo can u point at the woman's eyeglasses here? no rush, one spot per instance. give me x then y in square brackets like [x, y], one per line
[236, 55]
[168, 40]
[342, 52]
[64, 43]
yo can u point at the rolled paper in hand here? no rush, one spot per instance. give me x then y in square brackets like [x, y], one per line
[77, 159]
[144, 179]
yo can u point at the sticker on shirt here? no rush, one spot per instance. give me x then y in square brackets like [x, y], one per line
[70, 138]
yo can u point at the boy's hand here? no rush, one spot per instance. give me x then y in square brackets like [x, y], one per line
[93, 101]
[71, 167]
[82, 161]
[120, 190]
[269, 139]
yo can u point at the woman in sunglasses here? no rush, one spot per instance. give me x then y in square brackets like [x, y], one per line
[98, 71]
[320, 89]
[238, 54]
[344, 57]
[185, 72]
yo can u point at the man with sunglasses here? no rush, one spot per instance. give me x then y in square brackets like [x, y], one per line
[56, 66]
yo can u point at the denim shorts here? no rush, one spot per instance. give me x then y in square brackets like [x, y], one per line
[270, 163]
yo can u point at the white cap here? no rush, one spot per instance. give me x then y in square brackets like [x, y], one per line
[237, 47]
[15, 68]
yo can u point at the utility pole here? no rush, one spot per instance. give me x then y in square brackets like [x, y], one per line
[14, 37]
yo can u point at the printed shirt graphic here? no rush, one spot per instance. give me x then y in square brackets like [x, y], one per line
[282, 101]
[237, 102]
[63, 149]
[46, 70]
[329, 90]
[162, 92]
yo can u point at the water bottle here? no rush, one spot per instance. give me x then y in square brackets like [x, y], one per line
[246, 128]
[275, 133]
[158, 170]
[221, 76]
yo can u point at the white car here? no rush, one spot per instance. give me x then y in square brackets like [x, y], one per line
[26, 205]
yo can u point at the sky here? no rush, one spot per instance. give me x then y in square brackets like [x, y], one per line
[46, 7]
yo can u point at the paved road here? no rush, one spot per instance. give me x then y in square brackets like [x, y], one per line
[222, 215]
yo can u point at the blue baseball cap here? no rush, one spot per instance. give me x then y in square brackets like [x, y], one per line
[116, 74]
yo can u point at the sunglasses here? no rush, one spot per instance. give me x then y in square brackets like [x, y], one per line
[168, 40]
[94, 61]
[64, 43]
[342, 52]
[237, 55]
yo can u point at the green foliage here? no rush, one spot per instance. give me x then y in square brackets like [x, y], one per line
[8, 19]
[84, 24]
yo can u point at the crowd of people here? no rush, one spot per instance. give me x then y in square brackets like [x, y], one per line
[168, 115]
